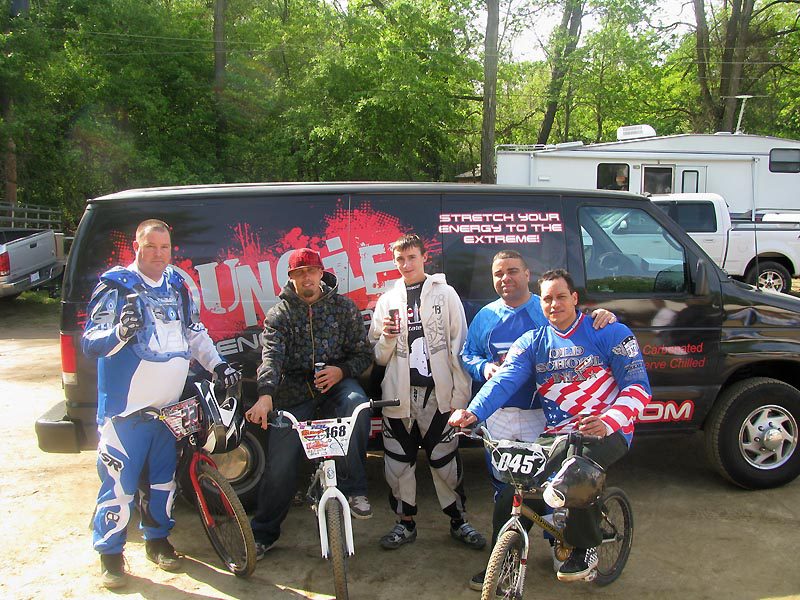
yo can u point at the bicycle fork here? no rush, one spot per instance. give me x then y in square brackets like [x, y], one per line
[332, 493]
[197, 458]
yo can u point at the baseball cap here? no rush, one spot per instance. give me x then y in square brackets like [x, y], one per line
[303, 258]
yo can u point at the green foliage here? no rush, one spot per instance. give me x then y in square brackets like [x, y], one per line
[119, 94]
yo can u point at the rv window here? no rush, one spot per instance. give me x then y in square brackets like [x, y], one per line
[657, 180]
[690, 183]
[613, 176]
[784, 160]
[627, 250]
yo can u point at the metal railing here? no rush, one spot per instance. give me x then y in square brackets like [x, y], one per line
[30, 216]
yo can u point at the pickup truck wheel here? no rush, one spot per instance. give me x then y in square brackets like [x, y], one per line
[752, 433]
[244, 466]
[772, 276]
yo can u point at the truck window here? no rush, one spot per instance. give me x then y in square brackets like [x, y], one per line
[613, 176]
[627, 250]
[695, 217]
[784, 160]
[657, 180]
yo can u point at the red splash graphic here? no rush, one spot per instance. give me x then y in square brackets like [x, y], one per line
[243, 280]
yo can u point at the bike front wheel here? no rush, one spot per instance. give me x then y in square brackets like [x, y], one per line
[225, 521]
[337, 552]
[505, 572]
[616, 524]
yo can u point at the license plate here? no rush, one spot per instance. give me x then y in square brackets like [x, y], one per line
[34, 277]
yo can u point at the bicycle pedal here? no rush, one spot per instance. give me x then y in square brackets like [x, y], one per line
[591, 576]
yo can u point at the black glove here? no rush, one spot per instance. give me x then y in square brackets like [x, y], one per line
[227, 374]
[130, 321]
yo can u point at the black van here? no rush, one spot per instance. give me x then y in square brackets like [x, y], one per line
[721, 355]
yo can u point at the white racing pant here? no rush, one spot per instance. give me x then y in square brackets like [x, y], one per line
[402, 438]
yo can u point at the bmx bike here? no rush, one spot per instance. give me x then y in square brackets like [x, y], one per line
[522, 465]
[203, 425]
[322, 440]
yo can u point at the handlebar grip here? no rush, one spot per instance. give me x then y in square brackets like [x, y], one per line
[382, 403]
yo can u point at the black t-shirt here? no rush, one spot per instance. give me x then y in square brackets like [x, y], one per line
[418, 359]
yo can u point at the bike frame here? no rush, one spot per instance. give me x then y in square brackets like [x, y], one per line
[199, 455]
[326, 475]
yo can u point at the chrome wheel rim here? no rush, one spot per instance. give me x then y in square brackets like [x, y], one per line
[768, 437]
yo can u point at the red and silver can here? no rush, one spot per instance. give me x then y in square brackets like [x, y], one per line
[394, 315]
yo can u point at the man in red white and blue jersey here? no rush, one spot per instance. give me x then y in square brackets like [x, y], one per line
[588, 380]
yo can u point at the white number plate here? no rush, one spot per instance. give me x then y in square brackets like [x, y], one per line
[34, 277]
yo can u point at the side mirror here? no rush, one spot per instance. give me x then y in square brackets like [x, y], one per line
[701, 287]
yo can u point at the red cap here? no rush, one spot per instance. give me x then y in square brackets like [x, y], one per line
[304, 258]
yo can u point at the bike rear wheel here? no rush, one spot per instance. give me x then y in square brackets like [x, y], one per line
[505, 572]
[336, 547]
[226, 524]
[617, 527]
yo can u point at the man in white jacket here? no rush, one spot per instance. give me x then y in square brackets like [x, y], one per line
[420, 348]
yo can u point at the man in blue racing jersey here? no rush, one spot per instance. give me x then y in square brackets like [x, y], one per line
[143, 327]
[588, 380]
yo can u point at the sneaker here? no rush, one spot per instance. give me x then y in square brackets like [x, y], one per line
[467, 534]
[262, 549]
[112, 571]
[476, 583]
[161, 552]
[579, 565]
[360, 507]
[399, 535]
[556, 563]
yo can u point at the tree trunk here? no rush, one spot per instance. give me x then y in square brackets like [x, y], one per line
[220, 62]
[10, 151]
[703, 50]
[565, 40]
[490, 92]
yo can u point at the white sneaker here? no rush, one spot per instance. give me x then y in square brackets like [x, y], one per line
[360, 507]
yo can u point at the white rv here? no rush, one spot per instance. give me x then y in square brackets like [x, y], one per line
[752, 172]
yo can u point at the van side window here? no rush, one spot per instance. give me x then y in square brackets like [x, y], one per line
[657, 180]
[784, 160]
[627, 250]
[613, 176]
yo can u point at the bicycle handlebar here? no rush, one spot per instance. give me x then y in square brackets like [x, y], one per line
[275, 417]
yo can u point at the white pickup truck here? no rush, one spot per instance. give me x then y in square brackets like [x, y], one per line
[749, 250]
[29, 259]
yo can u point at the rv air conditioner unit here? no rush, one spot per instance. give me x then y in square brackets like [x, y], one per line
[631, 132]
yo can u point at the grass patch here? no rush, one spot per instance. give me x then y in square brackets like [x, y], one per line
[29, 308]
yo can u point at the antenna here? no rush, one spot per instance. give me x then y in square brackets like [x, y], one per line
[743, 98]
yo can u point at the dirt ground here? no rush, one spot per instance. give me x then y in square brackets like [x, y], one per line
[696, 536]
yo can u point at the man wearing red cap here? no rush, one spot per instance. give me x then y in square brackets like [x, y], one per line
[310, 324]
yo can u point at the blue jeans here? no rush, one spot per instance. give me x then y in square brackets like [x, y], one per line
[279, 483]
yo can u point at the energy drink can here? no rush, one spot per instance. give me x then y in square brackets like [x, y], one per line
[394, 315]
[318, 366]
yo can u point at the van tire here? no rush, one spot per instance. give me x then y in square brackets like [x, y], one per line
[252, 451]
[733, 447]
[772, 275]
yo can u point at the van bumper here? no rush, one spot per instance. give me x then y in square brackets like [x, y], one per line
[56, 433]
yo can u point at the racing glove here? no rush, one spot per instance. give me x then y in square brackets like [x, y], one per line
[227, 374]
[130, 321]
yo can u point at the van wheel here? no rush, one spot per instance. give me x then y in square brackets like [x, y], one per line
[752, 433]
[772, 276]
[244, 466]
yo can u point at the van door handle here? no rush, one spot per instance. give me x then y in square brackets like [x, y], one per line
[33, 245]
